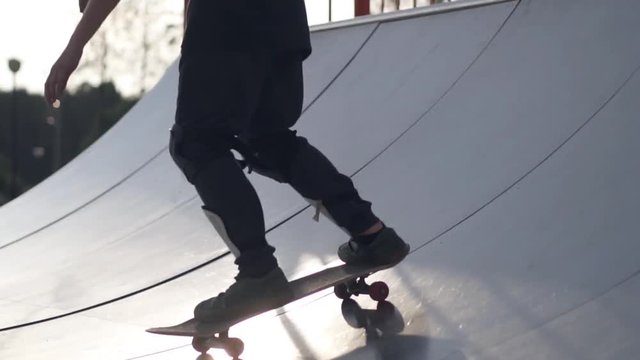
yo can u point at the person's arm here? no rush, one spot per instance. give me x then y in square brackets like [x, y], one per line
[95, 12]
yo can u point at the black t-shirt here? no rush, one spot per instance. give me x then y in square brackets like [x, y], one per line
[273, 25]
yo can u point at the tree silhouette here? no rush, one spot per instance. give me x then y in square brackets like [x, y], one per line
[134, 46]
[84, 116]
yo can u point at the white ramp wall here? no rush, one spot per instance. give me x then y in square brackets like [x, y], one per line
[500, 141]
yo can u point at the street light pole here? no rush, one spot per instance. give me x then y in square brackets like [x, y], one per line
[57, 133]
[14, 66]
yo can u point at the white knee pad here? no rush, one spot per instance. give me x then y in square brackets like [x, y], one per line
[218, 224]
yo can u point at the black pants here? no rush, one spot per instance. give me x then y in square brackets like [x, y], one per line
[249, 101]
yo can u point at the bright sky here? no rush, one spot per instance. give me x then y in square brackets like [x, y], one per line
[36, 31]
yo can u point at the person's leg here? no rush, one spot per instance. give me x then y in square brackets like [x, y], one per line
[217, 95]
[281, 154]
[289, 158]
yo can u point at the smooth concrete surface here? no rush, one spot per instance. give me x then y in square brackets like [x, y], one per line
[513, 174]
[332, 51]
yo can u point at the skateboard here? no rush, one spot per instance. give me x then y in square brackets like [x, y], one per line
[347, 281]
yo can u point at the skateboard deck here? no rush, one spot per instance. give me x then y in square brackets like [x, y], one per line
[347, 280]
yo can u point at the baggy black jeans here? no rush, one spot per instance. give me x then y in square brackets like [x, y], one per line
[250, 100]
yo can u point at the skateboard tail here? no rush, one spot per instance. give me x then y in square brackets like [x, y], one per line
[166, 331]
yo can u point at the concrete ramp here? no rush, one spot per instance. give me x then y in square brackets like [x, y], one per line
[498, 137]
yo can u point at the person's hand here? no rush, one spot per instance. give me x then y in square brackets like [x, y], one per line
[60, 72]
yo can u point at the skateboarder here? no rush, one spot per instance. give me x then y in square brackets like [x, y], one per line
[241, 88]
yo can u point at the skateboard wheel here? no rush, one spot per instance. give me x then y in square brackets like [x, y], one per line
[341, 291]
[234, 347]
[200, 344]
[385, 308]
[378, 291]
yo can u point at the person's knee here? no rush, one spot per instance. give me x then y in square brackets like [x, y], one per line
[191, 150]
[274, 154]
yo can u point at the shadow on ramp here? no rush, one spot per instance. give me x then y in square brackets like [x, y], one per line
[394, 347]
[382, 327]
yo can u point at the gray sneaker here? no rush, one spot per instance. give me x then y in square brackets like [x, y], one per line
[386, 248]
[246, 297]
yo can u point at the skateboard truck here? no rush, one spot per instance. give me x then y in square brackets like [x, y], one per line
[233, 346]
[378, 291]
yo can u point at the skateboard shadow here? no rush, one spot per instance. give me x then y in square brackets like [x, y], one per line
[384, 341]
[384, 320]
[404, 347]
[394, 347]
[205, 357]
